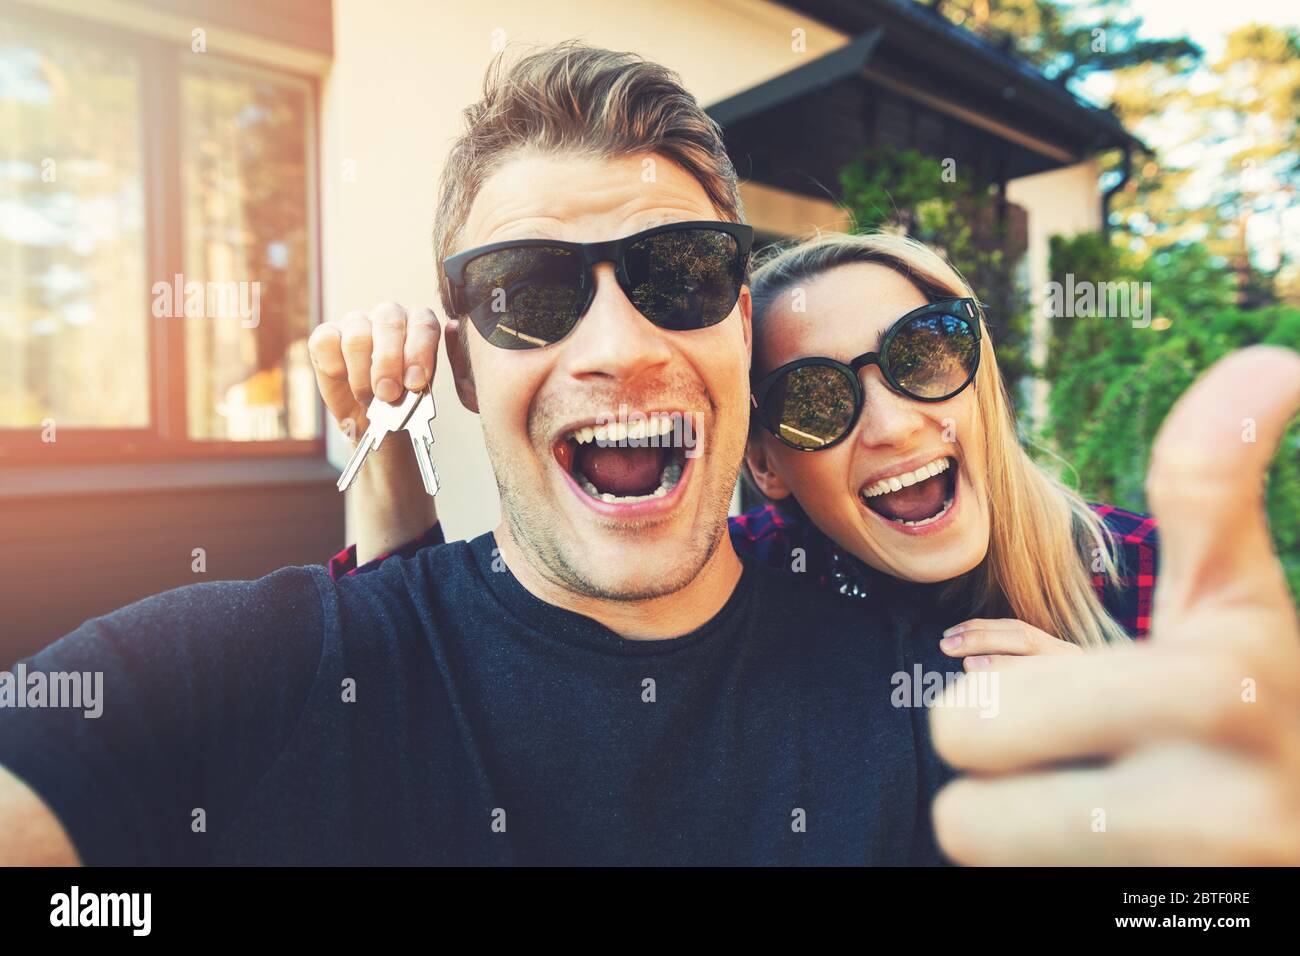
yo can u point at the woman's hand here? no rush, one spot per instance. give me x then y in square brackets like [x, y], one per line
[989, 643]
[381, 353]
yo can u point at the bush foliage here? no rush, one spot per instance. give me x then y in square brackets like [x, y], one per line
[1112, 384]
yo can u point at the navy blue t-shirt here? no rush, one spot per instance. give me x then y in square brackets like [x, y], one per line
[434, 711]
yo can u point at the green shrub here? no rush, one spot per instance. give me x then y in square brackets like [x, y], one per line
[903, 190]
[1113, 384]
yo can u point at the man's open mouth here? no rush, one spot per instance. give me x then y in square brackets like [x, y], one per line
[624, 462]
[914, 498]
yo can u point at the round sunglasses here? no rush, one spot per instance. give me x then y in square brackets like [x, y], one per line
[530, 293]
[929, 355]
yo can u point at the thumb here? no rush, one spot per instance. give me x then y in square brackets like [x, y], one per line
[1206, 484]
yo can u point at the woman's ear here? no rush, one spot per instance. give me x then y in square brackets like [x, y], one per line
[760, 469]
[456, 335]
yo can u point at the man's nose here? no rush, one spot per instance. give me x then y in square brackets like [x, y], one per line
[888, 419]
[613, 340]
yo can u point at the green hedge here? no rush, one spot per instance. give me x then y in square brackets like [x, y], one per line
[1113, 384]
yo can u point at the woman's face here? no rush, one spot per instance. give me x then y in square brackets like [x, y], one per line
[933, 530]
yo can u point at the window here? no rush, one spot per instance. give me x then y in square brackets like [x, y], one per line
[72, 237]
[158, 249]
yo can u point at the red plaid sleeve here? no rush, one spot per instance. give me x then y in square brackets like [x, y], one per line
[344, 564]
[1138, 553]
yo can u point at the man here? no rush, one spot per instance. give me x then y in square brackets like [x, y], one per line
[601, 681]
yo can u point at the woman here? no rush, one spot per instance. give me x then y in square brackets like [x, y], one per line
[884, 438]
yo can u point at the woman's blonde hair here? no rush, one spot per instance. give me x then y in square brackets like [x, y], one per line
[1044, 540]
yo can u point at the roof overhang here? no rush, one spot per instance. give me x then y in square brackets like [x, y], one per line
[1016, 120]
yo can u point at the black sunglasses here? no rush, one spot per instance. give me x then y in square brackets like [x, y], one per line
[929, 355]
[529, 293]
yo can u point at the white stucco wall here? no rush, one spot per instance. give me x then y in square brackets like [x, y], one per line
[1062, 202]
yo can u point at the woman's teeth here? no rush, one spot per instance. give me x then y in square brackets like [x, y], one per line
[898, 482]
[671, 474]
[947, 503]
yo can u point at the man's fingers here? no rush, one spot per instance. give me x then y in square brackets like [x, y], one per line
[1028, 819]
[1206, 484]
[388, 341]
[1136, 812]
[358, 346]
[994, 662]
[1054, 708]
[421, 354]
[325, 346]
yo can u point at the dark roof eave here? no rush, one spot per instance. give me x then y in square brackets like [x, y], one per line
[841, 63]
[856, 16]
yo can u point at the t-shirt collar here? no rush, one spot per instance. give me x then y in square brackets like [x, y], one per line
[556, 623]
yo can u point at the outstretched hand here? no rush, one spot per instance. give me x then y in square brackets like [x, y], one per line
[1185, 750]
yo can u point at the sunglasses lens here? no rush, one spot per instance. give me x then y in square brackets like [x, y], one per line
[684, 279]
[934, 356]
[810, 406]
[527, 297]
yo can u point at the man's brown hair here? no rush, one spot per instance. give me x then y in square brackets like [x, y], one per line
[581, 99]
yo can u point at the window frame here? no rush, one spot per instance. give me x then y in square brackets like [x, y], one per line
[165, 438]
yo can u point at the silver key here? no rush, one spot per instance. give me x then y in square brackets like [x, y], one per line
[418, 427]
[384, 418]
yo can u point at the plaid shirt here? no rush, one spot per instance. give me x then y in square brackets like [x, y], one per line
[771, 536]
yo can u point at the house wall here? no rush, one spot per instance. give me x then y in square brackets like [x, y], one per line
[402, 72]
[100, 529]
[1061, 202]
[784, 214]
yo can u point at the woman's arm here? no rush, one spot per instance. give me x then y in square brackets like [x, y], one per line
[390, 507]
[344, 563]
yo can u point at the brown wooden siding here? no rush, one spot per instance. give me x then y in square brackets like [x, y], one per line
[72, 555]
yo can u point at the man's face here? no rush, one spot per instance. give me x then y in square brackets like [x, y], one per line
[640, 535]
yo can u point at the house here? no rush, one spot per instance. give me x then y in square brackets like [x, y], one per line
[188, 186]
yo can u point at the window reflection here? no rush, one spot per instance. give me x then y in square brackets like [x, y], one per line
[73, 310]
[245, 177]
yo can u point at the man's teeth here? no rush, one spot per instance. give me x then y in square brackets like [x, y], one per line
[615, 432]
[898, 482]
[672, 474]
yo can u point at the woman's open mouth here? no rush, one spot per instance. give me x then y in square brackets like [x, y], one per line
[917, 498]
[624, 464]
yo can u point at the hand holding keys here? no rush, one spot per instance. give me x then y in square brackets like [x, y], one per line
[388, 351]
[413, 414]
